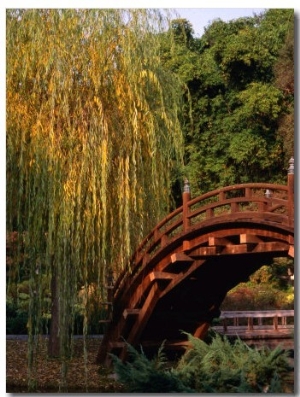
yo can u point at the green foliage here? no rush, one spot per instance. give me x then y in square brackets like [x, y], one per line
[94, 327]
[217, 367]
[231, 368]
[268, 288]
[183, 32]
[16, 320]
[248, 296]
[235, 113]
[141, 375]
[284, 80]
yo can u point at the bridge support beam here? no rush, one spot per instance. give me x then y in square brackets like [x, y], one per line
[201, 330]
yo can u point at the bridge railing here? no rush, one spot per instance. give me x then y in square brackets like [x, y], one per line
[224, 203]
[234, 318]
[242, 198]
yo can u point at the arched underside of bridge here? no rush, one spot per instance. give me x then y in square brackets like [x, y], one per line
[181, 287]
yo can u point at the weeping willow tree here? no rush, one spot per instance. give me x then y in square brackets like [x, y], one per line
[92, 139]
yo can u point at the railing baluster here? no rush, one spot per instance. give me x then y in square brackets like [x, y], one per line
[248, 192]
[164, 240]
[275, 322]
[234, 207]
[221, 195]
[209, 213]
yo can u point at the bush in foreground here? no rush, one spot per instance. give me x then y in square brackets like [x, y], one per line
[218, 367]
[141, 375]
[226, 367]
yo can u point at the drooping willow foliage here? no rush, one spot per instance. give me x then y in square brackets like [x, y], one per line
[92, 138]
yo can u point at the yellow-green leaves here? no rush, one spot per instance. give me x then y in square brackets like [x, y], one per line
[92, 135]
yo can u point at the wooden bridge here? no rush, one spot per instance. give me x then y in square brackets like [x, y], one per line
[180, 273]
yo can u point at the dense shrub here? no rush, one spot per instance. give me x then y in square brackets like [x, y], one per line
[16, 320]
[226, 367]
[263, 296]
[218, 367]
[140, 375]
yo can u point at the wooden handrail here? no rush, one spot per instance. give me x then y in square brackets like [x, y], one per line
[257, 313]
[252, 314]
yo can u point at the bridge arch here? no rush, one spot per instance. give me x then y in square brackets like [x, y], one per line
[181, 272]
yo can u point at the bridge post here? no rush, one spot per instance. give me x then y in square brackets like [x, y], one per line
[290, 183]
[186, 196]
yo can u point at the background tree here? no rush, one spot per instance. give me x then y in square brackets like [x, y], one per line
[92, 137]
[284, 80]
[180, 56]
[233, 105]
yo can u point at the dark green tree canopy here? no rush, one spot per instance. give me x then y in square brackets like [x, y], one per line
[233, 106]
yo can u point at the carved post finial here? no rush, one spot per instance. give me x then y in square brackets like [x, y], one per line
[186, 196]
[268, 193]
[291, 166]
[186, 186]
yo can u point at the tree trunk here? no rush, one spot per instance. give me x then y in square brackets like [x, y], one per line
[54, 338]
